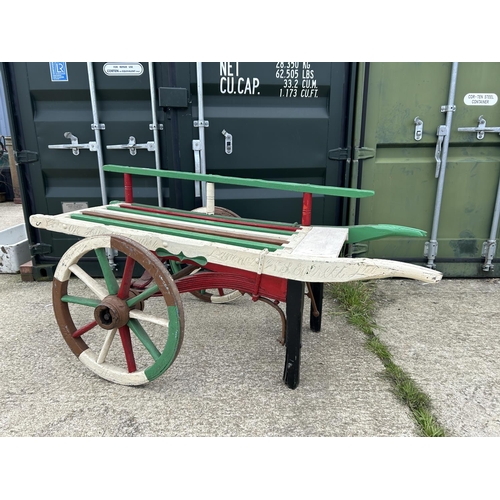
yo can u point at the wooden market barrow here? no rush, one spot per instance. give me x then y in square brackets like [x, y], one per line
[203, 251]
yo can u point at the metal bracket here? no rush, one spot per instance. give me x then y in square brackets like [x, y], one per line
[200, 123]
[488, 252]
[152, 126]
[480, 129]
[446, 108]
[431, 250]
[419, 128]
[344, 154]
[25, 156]
[99, 126]
[228, 143]
[132, 146]
[74, 146]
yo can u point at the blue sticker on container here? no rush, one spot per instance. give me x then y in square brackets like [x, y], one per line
[58, 72]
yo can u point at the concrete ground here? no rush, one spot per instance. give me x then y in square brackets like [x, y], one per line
[227, 379]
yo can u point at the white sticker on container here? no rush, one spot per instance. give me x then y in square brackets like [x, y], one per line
[480, 99]
[123, 69]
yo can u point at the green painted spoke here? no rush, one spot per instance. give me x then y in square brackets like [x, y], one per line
[141, 334]
[142, 296]
[83, 301]
[107, 272]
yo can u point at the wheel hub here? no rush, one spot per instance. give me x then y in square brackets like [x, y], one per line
[111, 313]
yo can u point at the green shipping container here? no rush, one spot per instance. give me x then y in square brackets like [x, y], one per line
[435, 162]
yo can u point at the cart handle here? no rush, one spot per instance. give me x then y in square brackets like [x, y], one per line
[307, 189]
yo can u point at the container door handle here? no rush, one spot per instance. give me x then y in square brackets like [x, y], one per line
[75, 146]
[132, 146]
[228, 143]
[442, 131]
[197, 165]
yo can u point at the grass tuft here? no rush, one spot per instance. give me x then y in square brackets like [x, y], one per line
[356, 298]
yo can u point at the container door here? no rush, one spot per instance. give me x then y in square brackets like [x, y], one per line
[275, 121]
[61, 137]
[404, 112]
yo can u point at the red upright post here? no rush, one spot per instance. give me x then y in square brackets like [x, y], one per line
[307, 200]
[127, 182]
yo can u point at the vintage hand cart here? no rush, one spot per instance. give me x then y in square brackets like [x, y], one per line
[145, 252]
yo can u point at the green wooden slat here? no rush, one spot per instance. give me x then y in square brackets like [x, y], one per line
[177, 232]
[201, 221]
[241, 181]
[379, 231]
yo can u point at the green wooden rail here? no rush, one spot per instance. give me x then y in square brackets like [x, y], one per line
[242, 181]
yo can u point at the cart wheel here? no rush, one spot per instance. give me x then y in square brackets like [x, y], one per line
[91, 312]
[220, 295]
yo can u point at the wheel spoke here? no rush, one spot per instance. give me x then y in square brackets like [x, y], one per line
[141, 334]
[127, 278]
[89, 281]
[143, 296]
[84, 329]
[136, 314]
[107, 344]
[221, 291]
[83, 301]
[127, 348]
[107, 272]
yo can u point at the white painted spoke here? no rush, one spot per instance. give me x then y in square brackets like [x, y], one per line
[100, 291]
[136, 314]
[107, 344]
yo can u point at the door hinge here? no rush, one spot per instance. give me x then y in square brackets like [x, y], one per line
[25, 156]
[345, 154]
[358, 249]
[40, 249]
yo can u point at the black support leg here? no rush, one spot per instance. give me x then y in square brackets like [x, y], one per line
[293, 341]
[317, 293]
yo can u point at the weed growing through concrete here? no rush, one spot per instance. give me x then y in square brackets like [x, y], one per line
[356, 298]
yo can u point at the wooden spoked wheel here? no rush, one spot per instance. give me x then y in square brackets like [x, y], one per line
[219, 295]
[104, 323]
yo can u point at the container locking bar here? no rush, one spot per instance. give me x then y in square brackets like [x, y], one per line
[480, 129]
[132, 146]
[441, 156]
[75, 146]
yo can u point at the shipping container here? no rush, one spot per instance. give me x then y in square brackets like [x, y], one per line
[423, 136]
[434, 133]
[276, 121]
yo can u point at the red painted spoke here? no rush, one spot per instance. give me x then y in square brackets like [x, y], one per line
[84, 329]
[221, 292]
[127, 278]
[127, 348]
